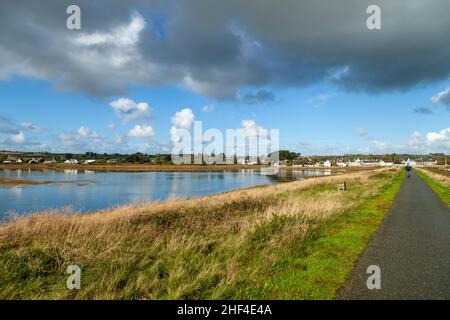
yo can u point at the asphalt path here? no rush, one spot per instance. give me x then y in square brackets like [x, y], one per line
[411, 249]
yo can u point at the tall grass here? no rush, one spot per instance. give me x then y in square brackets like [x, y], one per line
[438, 180]
[220, 246]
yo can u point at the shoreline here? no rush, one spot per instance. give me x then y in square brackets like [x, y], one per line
[165, 168]
[127, 167]
[18, 182]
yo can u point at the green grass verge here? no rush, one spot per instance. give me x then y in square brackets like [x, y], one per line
[326, 259]
[442, 191]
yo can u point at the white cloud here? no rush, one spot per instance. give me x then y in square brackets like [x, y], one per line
[122, 36]
[86, 132]
[432, 142]
[439, 138]
[415, 140]
[141, 131]
[208, 108]
[127, 109]
[442, 97]
[83, 139]
[111, 126]
[17, 138]
[183, 119]
[251, 129]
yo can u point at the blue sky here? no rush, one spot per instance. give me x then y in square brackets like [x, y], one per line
[320, 119]
[117, 84]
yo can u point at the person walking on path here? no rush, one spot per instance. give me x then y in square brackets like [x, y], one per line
[408, 170]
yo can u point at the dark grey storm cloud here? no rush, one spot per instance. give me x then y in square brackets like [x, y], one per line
[261, 96]
[218, 48]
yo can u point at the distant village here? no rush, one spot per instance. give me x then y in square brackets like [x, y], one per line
[286, 159]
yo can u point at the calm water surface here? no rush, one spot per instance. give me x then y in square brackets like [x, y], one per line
[99, 190]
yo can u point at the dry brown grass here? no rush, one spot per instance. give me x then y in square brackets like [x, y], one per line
[194, 248]
[440, 175]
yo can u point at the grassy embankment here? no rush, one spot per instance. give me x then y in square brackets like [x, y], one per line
[438, 180]
[296, 240]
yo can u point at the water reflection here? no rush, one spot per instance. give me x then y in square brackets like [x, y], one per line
[118, 188]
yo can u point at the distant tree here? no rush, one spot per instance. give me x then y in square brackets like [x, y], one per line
[138, 157]
[286, 155]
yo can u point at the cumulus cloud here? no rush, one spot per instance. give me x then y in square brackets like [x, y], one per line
[441, 137]
[183, 119]
[438, 141]
[86, 132]
[251, 129]
[83, 139]
[122, 36]
[13, 134]
[17, 138]
[246, 44]
[141, 131]
[128, 110]
[442, 97]
[258, 140]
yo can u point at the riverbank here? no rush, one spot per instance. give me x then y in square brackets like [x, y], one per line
[126, 167]
[16, 182]
[296, 240]
[158, 168]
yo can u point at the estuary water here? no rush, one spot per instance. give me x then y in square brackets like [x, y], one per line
[86, 191]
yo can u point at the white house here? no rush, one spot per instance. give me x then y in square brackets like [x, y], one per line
[34, 160]
[428, 162]
[327, 163]
[71, 161]
[410, 162]
[356, 163]
[341, 164]
[89, 161]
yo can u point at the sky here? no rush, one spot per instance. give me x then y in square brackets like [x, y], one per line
[138, 71]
